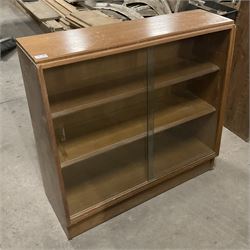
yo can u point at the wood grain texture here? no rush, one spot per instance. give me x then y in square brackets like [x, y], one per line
[134, 33]
[52, 178]
[94, 17]
[76, 22]
[66, 5]
[219, 48]
[237, 111]
[40, 10]
[58, 8]
[53, 25]
[225, 78]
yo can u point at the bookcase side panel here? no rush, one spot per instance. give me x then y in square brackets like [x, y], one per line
[227, 76]
[48, 165]
[216, 48]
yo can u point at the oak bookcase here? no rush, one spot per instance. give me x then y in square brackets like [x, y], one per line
[125, 111]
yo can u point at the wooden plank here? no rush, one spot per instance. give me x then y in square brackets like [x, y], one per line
[141, 33]
[65, 27]
[76, 21]
[53, 25]
[64, 23]
[237, 111]
[62, 20]
[94, 18]
[57, 7]
[40, 10]
[66, 5]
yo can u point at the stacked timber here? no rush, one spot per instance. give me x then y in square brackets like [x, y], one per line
[56, 15]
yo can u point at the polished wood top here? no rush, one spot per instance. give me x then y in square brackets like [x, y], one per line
[122, 36]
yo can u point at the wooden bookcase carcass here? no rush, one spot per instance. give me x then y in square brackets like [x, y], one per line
[123, 112]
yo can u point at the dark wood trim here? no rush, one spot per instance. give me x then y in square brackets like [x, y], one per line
[42, 131]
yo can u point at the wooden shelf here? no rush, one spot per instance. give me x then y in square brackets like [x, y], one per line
[88, 186]
[97, 179]
[168, 74]
[96, 95]
[173, 150]
[179, 109]
[181, 70]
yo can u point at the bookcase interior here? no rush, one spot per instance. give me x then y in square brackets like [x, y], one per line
[104, 109]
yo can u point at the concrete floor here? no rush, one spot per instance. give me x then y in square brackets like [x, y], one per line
[208, 212]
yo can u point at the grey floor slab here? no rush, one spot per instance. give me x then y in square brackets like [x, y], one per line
[208, 212]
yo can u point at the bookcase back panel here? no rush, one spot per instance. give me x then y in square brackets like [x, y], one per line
[100, 117]
[103, 71]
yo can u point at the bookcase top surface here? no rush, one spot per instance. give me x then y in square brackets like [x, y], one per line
[119, 37]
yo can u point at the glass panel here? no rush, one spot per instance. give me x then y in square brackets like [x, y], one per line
[100, 119]
[184, 110]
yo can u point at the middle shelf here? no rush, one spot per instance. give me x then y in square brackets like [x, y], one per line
[181, 107]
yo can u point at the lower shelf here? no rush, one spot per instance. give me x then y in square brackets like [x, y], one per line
[95, 180]
[82, 222]
[99, 178]
[173, 150]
